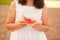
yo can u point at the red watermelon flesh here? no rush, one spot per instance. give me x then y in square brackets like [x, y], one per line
[28, 20]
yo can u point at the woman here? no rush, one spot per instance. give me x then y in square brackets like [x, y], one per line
[27, 20]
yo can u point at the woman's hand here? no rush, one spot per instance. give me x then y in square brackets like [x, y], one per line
[40, 27]
[15, 26]
[21, 24]
[37, 26]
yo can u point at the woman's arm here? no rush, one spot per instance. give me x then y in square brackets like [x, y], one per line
[11, 25]
[45, 24]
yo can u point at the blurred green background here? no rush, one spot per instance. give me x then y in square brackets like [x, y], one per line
[5, 1]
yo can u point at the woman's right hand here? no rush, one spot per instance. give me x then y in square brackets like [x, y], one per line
[15, 26]
[21, 24]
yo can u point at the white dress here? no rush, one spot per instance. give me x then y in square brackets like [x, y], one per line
[27, 33]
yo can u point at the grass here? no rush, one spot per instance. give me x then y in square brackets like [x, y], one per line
[5, 1]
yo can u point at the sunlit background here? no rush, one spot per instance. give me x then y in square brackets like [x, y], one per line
[53, 16]
[52, 4]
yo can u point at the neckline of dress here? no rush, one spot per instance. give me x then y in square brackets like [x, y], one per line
[27, 6]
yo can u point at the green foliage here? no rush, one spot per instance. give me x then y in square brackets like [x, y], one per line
[5, 1]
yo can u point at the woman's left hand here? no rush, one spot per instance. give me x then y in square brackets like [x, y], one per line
[37, 26]
[40, 27]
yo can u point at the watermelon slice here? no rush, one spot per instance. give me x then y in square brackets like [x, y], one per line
[28, 20]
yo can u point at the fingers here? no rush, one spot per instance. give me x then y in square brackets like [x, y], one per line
[21, 25]
[22, 22]
[35, 26]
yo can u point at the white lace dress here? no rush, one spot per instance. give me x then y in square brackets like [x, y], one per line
[27, 33]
